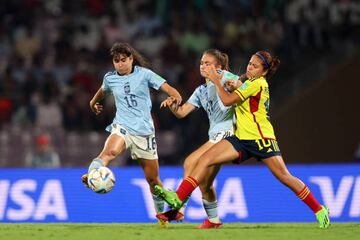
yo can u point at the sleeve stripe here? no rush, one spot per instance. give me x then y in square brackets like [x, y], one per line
[240, 94]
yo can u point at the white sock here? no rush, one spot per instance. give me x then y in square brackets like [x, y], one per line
[96, 163]
[158, 204]
[211, 209]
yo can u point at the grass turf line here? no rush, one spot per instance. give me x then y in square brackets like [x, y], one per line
[231, 231]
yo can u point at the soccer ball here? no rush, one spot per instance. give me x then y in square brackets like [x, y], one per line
[101, 180]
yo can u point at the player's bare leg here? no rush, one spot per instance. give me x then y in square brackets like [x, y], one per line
[220, 153]
[279, 170]
[209, 200]
[113, 147]
[151, 173]
[189, 164]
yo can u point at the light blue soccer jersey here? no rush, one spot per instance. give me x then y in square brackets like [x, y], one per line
[220, 117]
[132, 99]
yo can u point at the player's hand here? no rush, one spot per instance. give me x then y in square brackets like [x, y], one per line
[167, 102]
[213, 75]
[178, 100]
[231, 85]
[96, 108]
[170, 102]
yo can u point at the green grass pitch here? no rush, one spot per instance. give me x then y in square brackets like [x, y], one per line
[181, 231]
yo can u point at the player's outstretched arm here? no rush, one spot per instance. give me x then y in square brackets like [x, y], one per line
[94, 102]
[179, 111]
[172, 92]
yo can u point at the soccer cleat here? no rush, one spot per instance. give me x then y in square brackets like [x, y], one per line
[170, 197]
[84, 179]
[163, 224]
[322, 217]
[171, 215]
[207, 224]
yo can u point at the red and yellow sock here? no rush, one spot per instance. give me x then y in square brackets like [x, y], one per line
[308, 198]
[186, 187]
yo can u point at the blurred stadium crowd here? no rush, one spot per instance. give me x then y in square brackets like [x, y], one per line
[54, 53]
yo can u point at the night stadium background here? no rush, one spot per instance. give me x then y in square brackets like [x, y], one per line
[53, 55]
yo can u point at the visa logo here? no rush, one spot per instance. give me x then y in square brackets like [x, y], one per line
[336, 199]
[17, 201]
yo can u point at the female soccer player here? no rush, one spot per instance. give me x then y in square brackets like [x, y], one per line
[254, 137]
[132, 127]
[220, 119]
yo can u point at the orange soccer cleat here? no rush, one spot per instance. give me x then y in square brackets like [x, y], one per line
[207, 224]
[171, 215]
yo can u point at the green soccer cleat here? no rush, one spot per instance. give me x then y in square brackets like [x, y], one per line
[170, 197]
[323, 217]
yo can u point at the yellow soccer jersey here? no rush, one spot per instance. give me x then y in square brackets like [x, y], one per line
[252, 116]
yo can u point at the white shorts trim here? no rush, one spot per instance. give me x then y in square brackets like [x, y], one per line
[143, 147]
[217, 137]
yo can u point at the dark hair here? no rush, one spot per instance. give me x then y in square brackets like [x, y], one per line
[126, 49]
[269, 62]
[221, 58]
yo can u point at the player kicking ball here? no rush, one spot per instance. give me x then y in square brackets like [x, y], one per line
[132, 127]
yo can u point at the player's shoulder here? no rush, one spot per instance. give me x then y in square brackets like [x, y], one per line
[202, 87]
[199, 90]
[109, 74]
[259, 80]
[255, 82]
[141, 69]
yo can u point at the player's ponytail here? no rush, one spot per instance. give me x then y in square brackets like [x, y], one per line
[274, 66]
[126, 49]
[225, 61]
[269, 62]
[221, 58]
